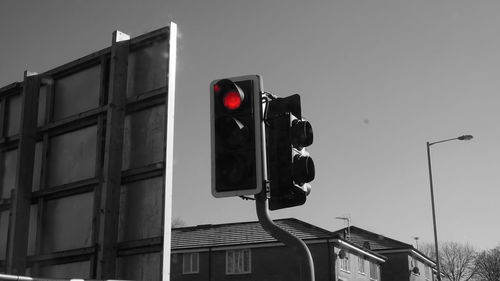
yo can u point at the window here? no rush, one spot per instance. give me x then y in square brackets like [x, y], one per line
[190, 263]
[344, 263]
[361, 265]
[238, 261]
[374, 271]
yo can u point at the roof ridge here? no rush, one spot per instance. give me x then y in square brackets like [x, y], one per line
[247, 222]
[242, 233]
[310, 225]
[377, 234]
[213, 225]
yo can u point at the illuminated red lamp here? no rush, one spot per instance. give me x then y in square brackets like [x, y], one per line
[232, 100]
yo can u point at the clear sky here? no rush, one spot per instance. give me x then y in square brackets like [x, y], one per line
[377, 78]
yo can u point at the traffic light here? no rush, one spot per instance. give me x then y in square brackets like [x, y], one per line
[290, 168]
[236, 136]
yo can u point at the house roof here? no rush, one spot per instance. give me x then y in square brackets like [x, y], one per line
[242, 233]
[377, 242]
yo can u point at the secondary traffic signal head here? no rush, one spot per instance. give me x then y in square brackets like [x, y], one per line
[290, 168]
[236, 136]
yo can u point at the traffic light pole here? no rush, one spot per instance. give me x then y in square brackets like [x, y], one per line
[238, 138]
[261, 204]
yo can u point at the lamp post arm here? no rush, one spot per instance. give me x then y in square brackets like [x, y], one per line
[463, 137]
[431, 143]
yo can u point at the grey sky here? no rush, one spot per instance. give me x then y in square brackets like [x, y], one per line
[377, 78]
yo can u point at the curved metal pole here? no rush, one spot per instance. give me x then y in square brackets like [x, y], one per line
[284, 236]
[433, 212]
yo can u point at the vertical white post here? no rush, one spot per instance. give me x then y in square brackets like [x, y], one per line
[169, 160]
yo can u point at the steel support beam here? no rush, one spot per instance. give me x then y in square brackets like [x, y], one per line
[110, 188]
[17, 247]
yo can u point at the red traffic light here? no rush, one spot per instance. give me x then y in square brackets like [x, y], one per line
[229, 94]
[236, 136]
[232, 100]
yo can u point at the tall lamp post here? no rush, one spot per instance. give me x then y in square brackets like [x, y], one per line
[464, 137]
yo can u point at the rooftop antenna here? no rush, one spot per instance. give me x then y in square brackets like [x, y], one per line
[416, 241]
[347, 219]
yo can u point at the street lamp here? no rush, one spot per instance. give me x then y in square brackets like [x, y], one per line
[464, 137]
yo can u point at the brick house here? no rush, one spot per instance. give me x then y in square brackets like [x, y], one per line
[244, 251]
[404, 262]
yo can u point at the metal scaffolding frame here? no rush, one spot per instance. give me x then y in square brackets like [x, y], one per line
[39, 127]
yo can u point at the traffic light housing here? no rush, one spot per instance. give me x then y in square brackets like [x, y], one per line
[236, 136]
[289, 166]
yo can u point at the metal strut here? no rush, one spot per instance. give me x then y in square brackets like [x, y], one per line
[284, 236]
